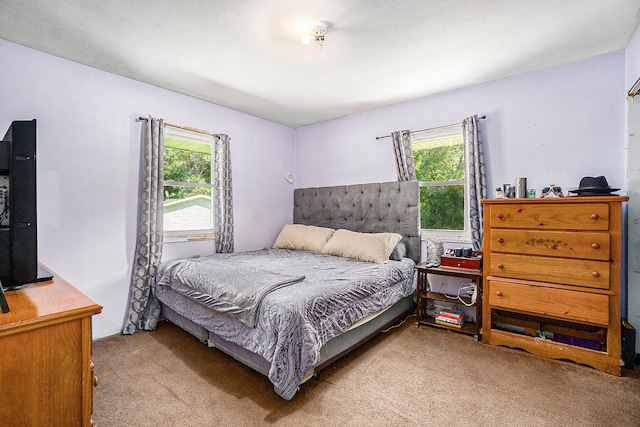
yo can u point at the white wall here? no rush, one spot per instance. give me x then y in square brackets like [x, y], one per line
[632, 61]
[552, 126]
[633, 131]
[88, 153]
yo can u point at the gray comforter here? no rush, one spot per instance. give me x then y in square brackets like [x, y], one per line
[225, 285]
[293, 322]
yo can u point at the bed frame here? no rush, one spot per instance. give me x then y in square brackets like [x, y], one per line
[377, 207]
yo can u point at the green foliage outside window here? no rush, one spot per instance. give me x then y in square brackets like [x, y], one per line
[442, 203]
[187, 191]
[182, 165]
[442, 207]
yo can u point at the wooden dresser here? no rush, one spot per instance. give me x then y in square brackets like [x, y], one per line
[552, 277]
[46, 373]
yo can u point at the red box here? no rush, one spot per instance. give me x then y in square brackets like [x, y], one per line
[470, 263]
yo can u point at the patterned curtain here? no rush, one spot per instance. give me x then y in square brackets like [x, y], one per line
[405, 166]
[222, 193]
[144, 308]
[476, 175]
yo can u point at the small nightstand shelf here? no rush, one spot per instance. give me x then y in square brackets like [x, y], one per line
[424, 295]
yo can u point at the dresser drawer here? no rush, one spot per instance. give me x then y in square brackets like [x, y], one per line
[550, 302]
[564, 244]
[578, 216]
[578, 272]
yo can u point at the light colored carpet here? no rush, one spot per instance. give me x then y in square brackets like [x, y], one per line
[406, 377]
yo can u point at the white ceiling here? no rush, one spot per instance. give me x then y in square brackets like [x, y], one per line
[247, 54]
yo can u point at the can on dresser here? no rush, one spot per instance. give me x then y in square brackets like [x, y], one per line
[521, 188]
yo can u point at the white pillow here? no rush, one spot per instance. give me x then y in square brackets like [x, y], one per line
[371, 247]
[303, 237]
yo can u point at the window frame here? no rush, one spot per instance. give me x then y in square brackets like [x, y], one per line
[199, 137]
[464, 235]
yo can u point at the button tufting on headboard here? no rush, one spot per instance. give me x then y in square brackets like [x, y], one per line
[370, 208]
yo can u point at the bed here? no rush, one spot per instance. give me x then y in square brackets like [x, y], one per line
[321, 291]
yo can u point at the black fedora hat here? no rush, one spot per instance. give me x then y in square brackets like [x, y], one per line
[590, 186]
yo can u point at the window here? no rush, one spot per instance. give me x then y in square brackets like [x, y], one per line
[188, 206]
[440, 167]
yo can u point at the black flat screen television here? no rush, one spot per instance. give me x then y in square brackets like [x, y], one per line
[18, 230]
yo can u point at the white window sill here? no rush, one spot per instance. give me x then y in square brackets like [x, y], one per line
[187, 237]
[446, 236]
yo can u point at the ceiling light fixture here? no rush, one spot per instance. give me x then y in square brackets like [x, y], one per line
[318, 31]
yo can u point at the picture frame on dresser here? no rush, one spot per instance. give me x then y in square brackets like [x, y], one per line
[552, 277]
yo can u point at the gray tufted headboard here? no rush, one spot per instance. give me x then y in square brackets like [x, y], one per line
[366, 208]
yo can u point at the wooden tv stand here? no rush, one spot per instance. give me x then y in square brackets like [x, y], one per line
[46, 373]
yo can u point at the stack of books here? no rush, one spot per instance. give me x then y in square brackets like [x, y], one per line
[450, 317]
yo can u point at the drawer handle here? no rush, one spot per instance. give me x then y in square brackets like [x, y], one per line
[95, 381]
[500, 240]
[500, 266]
[499, 216]
[499, 293]
[595, 274]
[595, 245]
[595, 216]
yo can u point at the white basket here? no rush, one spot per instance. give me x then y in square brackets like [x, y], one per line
[435, 249]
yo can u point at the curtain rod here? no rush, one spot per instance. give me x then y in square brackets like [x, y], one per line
[182, 127]
[423, 130]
